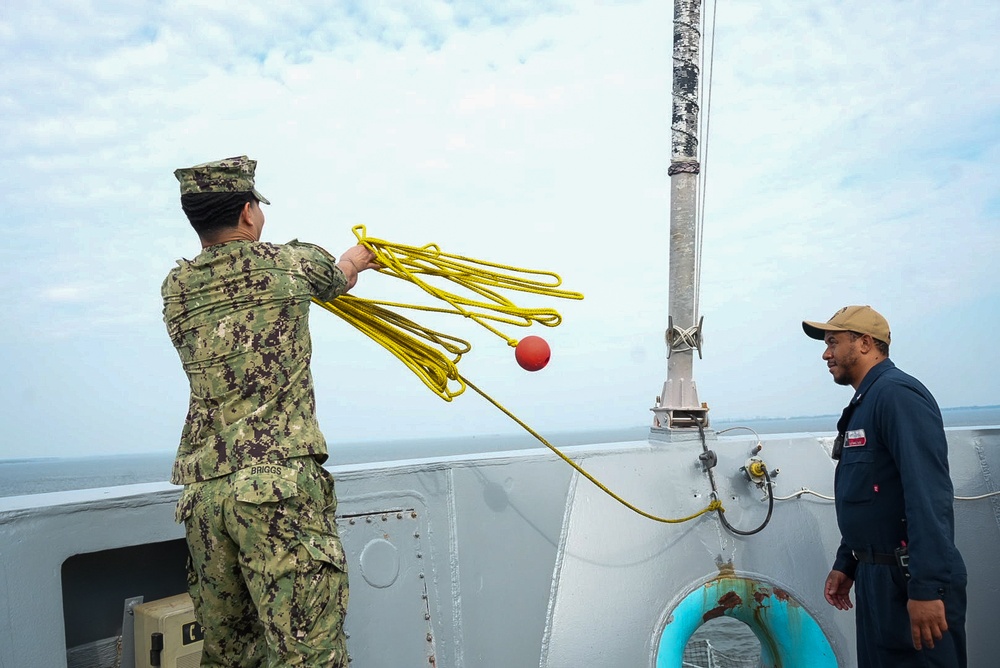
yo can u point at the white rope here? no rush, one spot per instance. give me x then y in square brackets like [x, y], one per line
[749, 429]
[681, 339]
[805, 490]
[705, 121]
[976, 498]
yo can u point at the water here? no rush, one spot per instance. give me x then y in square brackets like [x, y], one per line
[729, 642]
[55, 474]
[722, 642]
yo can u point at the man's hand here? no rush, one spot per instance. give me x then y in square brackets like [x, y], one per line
[355, 260]
[360, 257]
[838, 590]
[927, 622]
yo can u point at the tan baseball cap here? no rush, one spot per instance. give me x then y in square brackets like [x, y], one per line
[860, 319]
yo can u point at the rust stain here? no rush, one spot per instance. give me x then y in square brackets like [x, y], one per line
[766, 638]
[713, 613]
[728, 601]
[755, 615]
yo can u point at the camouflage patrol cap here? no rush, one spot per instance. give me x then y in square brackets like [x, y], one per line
[232, 175]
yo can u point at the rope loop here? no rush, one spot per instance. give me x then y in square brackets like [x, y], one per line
[434, 356]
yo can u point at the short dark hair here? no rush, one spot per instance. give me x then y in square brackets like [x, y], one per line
[880, 345]
[210, 213]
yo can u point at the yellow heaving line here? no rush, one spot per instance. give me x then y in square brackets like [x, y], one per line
[433, 356]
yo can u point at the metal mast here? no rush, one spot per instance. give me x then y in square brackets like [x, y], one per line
[677, 409]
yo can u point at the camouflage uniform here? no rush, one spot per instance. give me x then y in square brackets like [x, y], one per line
[267, 571]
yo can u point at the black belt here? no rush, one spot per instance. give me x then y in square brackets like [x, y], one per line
[870, 557]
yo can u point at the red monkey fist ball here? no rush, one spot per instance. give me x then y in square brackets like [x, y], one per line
[532, 353]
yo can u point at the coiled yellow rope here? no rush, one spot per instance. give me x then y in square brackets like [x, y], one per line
[414, 345]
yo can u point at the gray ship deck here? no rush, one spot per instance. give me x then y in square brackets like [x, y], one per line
[501, 559]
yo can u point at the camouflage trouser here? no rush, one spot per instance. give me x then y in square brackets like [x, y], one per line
[267, 572]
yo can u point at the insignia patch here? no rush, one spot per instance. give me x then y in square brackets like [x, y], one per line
[855, 438]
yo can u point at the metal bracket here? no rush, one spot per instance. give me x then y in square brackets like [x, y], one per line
[708, 459]
[127, 658]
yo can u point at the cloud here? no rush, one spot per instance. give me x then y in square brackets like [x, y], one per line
[65, 293]
[853, 156]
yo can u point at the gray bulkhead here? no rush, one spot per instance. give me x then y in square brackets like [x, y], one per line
[506, 559]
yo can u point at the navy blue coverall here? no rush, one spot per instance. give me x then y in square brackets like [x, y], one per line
[893, 488]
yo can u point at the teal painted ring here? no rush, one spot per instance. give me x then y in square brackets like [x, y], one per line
[789, 636]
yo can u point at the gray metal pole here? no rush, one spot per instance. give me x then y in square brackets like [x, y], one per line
[678, 407]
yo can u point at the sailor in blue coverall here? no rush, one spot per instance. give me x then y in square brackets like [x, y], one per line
[894, 501]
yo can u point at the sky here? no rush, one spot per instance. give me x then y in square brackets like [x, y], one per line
[853, 157]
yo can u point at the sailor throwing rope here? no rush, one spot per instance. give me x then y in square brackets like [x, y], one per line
[267, 571]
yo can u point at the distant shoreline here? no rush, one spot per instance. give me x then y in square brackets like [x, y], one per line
[958, 416]
[36, 475]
